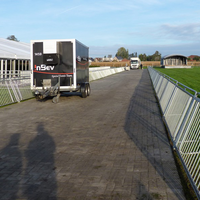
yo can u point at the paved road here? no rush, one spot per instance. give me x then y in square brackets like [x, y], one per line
[111, 145]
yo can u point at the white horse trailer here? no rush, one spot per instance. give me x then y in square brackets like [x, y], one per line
[59, 66]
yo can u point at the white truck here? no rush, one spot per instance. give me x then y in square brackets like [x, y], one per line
[135, 63]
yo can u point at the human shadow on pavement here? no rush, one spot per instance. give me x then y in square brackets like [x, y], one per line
[10, 169]
[145, 128]
[40, 177]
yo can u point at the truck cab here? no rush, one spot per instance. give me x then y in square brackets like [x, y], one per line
[135, 63]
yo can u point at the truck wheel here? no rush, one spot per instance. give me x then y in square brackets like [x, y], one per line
[84, 90]
[88, 89]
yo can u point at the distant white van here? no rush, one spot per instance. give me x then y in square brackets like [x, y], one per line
[135, 63]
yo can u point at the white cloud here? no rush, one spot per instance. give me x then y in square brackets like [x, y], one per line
[66, 10]
[167, 33]
[151, 2]
[184, 32]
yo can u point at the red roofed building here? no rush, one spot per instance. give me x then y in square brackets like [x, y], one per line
[125, 60]
[193, 57]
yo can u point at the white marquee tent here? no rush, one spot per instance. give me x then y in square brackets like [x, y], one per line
[14, 57]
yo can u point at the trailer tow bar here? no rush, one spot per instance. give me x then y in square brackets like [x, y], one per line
[52, 91]
[57, 87]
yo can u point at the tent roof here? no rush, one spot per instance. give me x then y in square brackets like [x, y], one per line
[14, 50]
[173, 55]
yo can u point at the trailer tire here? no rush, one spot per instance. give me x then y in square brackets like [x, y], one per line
[88, 89]
[84, 90]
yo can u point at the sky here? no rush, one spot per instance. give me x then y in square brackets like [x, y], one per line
[142, 26]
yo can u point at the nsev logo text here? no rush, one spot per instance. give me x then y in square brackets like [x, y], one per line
[44, 68]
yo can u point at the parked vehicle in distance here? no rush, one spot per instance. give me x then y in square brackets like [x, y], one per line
[135, 63]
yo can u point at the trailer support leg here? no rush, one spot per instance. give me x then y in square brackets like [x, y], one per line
[56, 98]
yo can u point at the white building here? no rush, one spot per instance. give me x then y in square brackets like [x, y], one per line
[174, 61]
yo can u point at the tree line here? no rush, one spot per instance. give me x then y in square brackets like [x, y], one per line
[122, 52]
[155, 57]
[196, 58]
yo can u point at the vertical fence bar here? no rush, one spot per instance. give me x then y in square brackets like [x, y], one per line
[170, 101]
[9, 91]
[14, 91]
[186, 121]
[183, 116]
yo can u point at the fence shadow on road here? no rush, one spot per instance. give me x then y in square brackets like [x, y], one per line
[10, 168]
[40, 178]
[145, 128]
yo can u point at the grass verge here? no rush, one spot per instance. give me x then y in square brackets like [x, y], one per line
[188, 77]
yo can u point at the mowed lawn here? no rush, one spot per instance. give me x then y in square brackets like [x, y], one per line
[188, 77]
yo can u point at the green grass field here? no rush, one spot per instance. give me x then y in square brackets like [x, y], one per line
[188, 77]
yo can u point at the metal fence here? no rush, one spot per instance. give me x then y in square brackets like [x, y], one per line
[181, 113]
[14, 89]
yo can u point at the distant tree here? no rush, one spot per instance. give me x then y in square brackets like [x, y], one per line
[12, 37]
[156, 56]
[133, 55]
[122, 52]
[149, 58]
[109, 56]
[143, 57]
[188, 58]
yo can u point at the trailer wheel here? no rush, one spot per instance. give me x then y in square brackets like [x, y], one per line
[84, 90]
[88, 89]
